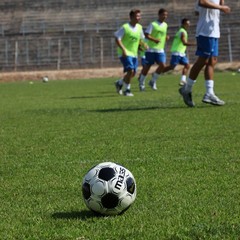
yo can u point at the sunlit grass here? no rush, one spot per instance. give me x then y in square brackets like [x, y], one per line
[185, 160]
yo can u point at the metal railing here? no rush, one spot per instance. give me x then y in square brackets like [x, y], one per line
[64, 34]
[27, 53]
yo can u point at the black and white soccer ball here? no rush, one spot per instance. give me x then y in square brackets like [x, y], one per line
[45, 79]
[109, 189]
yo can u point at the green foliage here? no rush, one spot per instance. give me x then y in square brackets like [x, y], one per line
[185, 160]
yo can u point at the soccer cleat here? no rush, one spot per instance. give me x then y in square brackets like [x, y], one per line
[212, 99]
[182, 83]
[118, 88]
[187, 97]
[153, 85]
[128, 93]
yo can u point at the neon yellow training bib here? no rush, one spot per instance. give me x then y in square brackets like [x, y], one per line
[177, 45]
[159, 31]
[131, 40]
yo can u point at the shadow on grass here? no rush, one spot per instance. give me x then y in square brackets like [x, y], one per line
[96, 96]
[83, 215]
[144, 108]
[73, 111]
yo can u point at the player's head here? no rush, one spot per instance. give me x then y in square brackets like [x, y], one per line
[185, 23]
[162, 14]
[135, 15]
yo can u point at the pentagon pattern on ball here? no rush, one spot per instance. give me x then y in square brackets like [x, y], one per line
[106, 173]
[86, 190]
[110, 200]
[130, 185]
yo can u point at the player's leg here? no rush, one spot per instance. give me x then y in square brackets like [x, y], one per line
[131, 64]
[142, 76]
[204, 51]
[118, 85]
[186, 90]
[168, 68]
[186, 66]
[210, 96]
[183, 78]
[127, 82]
[172, 65]
[148, 62]
[160, 59]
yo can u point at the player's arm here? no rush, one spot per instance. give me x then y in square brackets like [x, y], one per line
[118, 39]
[143, 46]
[120, 44]
[184, 40]
[208, 4]
[142, 43]
[151, 38]
[148, 34]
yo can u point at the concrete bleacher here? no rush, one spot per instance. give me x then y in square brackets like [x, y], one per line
[40, 34]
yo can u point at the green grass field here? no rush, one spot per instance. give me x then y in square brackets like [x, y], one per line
[185, 160]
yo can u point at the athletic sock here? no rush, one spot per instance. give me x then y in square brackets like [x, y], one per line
[120, 81]
[127, 86]
[209, 84]
[183, 78]
[142, 80]
[189, 85]
[155, 77]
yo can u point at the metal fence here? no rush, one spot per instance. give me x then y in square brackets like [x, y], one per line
[63, 34]
[28, 53]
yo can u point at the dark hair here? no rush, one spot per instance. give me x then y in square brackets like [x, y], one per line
[184, 20]
[133, 12]
[161, 11]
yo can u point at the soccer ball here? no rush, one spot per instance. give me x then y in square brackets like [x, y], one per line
[45, 79]
[109, 189]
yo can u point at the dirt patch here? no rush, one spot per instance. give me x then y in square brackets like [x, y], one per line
[87, 73]
[60, 75]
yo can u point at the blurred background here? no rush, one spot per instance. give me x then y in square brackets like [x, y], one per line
[78, 34]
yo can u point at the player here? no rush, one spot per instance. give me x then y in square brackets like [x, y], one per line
[128, 38]
[207, 34]
[178, 50]
[156, 33]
